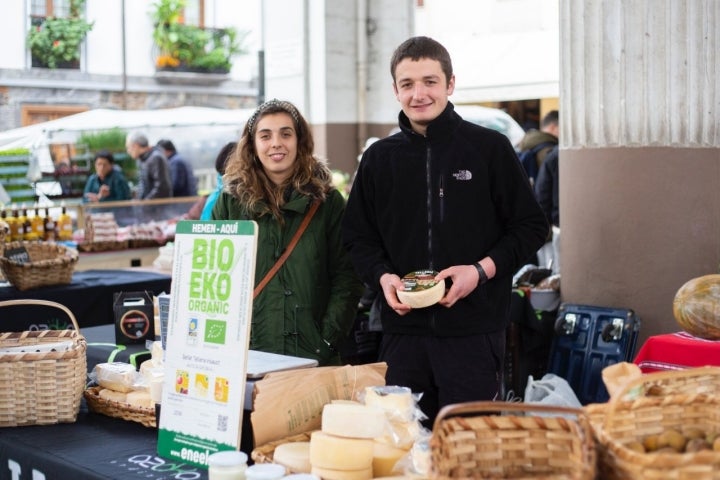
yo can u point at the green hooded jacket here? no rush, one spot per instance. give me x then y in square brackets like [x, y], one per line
[309, 306]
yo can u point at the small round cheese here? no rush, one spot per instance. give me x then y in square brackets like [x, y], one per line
[421, 289]
[385, 458]
[293, 455]
[397, 402]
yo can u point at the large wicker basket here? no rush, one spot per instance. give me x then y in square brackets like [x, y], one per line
[50, 264]
[45, 387]
[125, 411]
[680, 400]
[511, 440]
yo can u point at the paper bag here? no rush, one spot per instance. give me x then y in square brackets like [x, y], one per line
[289, 403]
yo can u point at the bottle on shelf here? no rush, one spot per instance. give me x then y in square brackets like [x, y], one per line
[16, 226]
[64, 224]
[49, 233]
[37, 224]
[28, 232]
[3, 218]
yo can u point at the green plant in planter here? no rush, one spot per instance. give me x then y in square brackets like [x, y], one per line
[56, 41]
[188, 47]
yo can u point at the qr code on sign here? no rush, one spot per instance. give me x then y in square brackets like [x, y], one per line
[222, 423]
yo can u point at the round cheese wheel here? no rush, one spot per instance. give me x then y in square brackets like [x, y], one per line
[421, 289]
[293, 455]
[330, 474]
[340, 453]
[354, 421]
[385, 457]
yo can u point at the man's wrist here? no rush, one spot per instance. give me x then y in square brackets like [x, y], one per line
[482, 276]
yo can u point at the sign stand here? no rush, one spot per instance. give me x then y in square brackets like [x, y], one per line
[208, 336]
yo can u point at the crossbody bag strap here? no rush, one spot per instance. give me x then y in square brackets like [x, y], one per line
[288, 250]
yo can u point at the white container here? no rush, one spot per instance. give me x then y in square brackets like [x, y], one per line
[227, 465]
[301, 476]
[265, 471]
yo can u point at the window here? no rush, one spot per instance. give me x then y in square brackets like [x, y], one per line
[49, 8]
[194, 13]
[57, 30]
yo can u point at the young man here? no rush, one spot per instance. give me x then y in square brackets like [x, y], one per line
[450, 196]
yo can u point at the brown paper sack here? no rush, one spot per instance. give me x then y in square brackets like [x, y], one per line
[289, 403]
[617, 375]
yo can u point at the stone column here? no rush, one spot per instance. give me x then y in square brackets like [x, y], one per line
[639, 161]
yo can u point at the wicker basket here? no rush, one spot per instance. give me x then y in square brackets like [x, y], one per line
[50, 264]
[264, 453]
[628, 421]
[111, 408]
[41, 388]
[511, 440]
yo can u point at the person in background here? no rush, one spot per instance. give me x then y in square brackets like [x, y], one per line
[154, 171]
[183, 179]
[446, 195]
[536, 144]
[107, 183]
[309, 305]
[202, 209]
[547, 187]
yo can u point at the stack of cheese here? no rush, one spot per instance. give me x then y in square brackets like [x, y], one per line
[402, 428]
[120, 383]
[101, 227]
[152, 372]
[344, 447]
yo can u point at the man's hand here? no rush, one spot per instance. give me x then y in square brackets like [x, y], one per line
[390, 284]
[464, 278]
[104, 191]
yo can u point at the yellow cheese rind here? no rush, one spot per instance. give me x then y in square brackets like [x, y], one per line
[108, 394]
[293, 455]
[353, 421]
[385, 457]
[330, 474]
[140, 399]
[340, 453]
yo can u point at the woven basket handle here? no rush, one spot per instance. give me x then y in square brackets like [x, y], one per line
[457, 409]
[653, 378]
[46, 303]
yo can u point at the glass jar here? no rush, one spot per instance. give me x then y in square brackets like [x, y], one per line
[227, 465]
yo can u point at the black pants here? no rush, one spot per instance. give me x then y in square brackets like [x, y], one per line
[445, 370]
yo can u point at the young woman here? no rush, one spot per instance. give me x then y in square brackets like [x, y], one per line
[308, 307]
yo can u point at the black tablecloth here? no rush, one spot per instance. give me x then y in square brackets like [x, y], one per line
[89, 297]
[95, 447]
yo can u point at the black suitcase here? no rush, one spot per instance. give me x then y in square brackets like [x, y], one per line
[588, 339]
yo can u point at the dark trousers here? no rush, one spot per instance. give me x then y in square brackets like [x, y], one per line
[445, 370]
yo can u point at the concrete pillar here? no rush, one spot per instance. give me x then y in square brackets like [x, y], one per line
[332, 60]
[639, 161]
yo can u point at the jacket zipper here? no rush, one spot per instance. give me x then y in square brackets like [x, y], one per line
[442, 197]
[428, 179]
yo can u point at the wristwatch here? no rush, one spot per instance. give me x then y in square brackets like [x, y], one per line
[481, 273]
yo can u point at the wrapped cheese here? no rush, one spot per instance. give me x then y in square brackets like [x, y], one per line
[116, 376]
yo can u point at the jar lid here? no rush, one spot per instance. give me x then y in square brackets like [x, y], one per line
[227, 458]
[265, 471]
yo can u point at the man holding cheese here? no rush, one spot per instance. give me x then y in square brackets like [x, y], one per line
[446, 196]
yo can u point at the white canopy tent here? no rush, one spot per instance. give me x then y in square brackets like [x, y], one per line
[198, 132]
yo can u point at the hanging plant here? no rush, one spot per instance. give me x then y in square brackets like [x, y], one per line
[56, 41]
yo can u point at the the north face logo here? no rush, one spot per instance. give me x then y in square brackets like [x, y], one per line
[462, 175]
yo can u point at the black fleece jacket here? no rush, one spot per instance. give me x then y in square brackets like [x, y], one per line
[449, 198]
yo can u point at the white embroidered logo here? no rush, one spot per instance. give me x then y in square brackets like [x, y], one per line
[463, 175]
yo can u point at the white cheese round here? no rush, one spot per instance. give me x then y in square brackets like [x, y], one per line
[421, 289]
